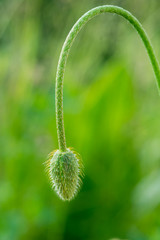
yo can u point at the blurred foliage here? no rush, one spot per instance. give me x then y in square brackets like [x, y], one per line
[111, 112]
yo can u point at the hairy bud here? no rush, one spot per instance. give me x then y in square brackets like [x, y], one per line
[65, 172]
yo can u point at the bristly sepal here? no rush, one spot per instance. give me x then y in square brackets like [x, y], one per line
[65, 170]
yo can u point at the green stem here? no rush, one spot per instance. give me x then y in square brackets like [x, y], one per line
[66, 48]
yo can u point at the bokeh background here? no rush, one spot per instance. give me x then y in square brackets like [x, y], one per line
[111, 113]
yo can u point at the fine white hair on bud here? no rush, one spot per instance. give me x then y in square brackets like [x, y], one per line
[65, 173]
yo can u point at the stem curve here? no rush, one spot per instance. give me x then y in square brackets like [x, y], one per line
[66, 48]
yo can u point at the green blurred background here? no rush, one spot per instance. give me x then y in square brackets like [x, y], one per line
[111, 113]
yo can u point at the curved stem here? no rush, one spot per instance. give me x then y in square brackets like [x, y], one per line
[66, 48]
